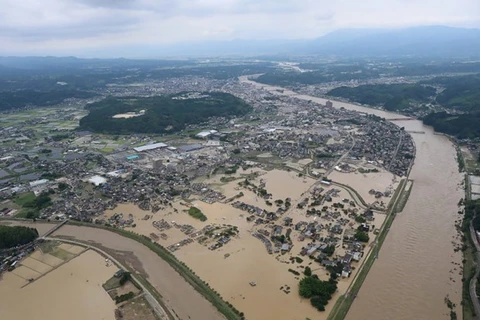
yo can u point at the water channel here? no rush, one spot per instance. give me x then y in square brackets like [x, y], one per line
[417, 267]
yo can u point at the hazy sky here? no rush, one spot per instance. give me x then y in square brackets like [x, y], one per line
[65, 26]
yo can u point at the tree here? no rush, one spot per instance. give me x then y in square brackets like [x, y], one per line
[362, 236]
[15, 236]
[124, 278]
[318, 303]
[360, 219]
[329, 250]
[62, 186]
[307, 271]
[312, 286]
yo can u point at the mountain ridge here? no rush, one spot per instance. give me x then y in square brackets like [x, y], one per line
[435, 41]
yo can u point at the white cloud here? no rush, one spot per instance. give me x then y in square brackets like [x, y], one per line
[63, 26]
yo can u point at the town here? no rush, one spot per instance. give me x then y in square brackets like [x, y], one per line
[218, 184]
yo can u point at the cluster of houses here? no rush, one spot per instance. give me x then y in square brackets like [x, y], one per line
[9, 258]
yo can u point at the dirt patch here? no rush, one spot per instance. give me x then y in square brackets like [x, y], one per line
[136, 309]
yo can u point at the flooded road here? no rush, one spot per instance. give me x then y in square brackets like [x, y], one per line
[417, 267]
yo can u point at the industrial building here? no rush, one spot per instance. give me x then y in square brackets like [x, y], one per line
[205, 134]
[150, 147]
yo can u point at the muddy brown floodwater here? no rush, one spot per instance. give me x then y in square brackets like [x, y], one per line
[73, 291]
[417, 266]
[176, 292]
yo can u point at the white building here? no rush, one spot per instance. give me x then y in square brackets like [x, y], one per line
[205, 134]
[151, 147]
[37, 183]
[97, 180]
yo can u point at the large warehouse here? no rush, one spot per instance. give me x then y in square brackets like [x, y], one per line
[151, 147]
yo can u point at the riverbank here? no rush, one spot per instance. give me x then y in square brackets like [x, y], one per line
[168, 284]
[417, 269]
[343, 304]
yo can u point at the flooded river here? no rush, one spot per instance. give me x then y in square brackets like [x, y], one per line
[417, 266]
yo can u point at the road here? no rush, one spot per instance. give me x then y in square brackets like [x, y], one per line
[341, 158]
[151, 300]
[396, 151]
[473, 282]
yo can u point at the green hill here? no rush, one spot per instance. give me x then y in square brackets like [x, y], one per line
[163, 114]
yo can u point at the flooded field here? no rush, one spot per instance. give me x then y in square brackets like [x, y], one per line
[72, 291]
[417, 267]
[176, 292]
[362, 183]
[231, 268]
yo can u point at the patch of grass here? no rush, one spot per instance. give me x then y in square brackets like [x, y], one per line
[402, 201]
[107, 150]
[461, 163]
[62, 254]
[111, 284]
[48, 246]
[27, 213]
[124, 297]
[197, 214]
[473, 167]
[25, 198]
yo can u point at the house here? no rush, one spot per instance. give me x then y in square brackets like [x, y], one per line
[357, 255]
[347, 259]
[272, 216]
[337, 229]
[277, 230]
[364, 227]
[300, 225]
[323, 247]
[312, 249]
[285, 247]
[321, 256]
[328, 263]
[346, 271]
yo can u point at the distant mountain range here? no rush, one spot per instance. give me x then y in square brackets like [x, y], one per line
[434, 41]
[419, 41]
[429, 41]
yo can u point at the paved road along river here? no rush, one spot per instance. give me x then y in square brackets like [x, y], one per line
[417, 266]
